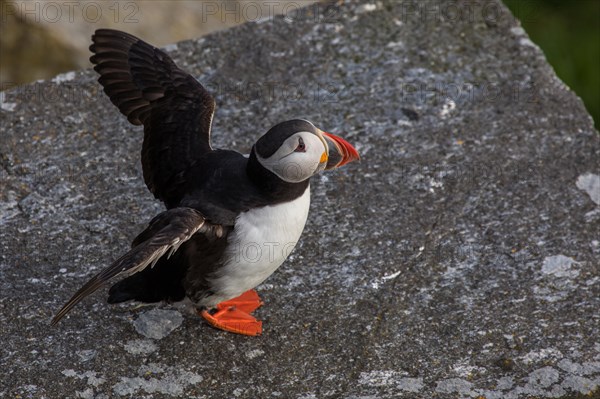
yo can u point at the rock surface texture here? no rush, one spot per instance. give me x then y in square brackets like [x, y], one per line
[458, 259]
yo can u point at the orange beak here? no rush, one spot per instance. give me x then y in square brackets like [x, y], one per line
[340, 151]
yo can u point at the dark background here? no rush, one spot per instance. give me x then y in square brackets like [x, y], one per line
[569, 34]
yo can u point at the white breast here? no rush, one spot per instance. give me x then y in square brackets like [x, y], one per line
[260, 242]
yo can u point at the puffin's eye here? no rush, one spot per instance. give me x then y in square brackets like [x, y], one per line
[301, 147]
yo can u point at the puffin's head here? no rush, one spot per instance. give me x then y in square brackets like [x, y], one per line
[296, 150]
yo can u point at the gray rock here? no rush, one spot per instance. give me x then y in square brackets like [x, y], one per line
[590, 183]
[560, 266]
[158, 323]
[460, 258]
[139, 346]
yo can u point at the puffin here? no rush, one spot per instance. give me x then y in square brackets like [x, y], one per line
[231, 219]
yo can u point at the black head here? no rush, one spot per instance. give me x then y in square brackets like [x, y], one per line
[296, 150]
[271, 141]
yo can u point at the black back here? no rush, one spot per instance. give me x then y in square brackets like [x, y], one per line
[224, 183]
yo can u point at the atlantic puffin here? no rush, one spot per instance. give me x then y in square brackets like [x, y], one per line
[231, 219]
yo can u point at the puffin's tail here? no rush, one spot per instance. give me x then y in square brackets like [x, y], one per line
[160, 283]
[163, 236]
[132, 288]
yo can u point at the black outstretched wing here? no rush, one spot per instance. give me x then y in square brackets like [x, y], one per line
[164, 235]
[148, 88]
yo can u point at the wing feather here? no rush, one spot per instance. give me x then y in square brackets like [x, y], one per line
[148, 88]
[165, 234]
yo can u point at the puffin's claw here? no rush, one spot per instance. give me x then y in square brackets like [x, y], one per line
[233, 315]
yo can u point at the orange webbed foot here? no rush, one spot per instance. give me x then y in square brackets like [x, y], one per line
[248, 302]
[233, 315]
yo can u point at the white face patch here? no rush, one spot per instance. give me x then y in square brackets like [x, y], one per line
[295, 166]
